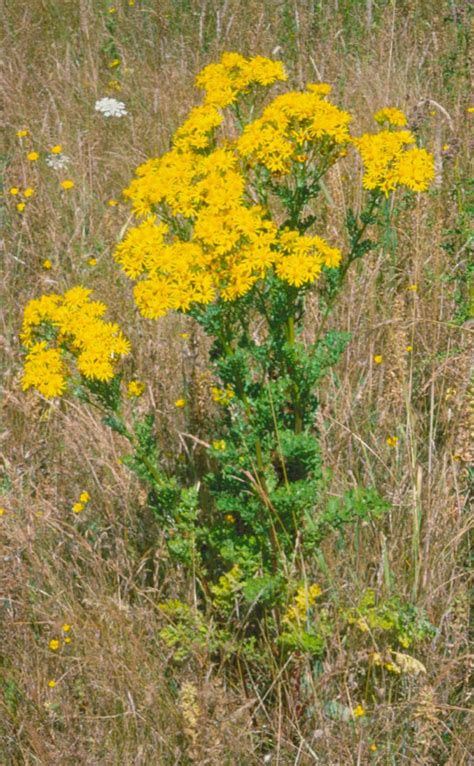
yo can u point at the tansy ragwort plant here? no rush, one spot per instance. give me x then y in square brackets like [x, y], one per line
[227, 231]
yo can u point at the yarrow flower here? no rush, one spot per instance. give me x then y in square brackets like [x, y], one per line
[74, 329]
[57, 161]
[110, 107]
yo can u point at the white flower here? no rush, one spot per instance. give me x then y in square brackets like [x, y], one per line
[57, 161]
[110, 107]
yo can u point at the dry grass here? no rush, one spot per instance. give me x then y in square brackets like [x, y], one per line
[120, 698]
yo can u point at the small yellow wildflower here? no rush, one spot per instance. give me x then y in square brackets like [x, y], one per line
[67, 184]
[84, 497]
[2, 511]
[77, 507]
[114, 63]
[180, 403]
[373, 747]
[412, 288]
[184, 335]
[112, 10]
[56, 149]
[92, 261]
[28, 192]
[229, 518]
[47, 264]
[114, 85]
[470, 110]
[67, 640]
[378, 358]
[51, 684]
[358, 712]
[32, 156]
[23, 133]
[218, 444]
[392, 441]
[445, 147]
[131, 2]
[135, 389]
[54, 644]
[66, 627]
[408, 349]
[433, 112]
[14, 190]
[112, 203]
[21, 206]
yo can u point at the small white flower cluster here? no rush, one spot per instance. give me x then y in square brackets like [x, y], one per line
[110, 107]
[57, 161]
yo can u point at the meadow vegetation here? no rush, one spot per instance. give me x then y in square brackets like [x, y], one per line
[238, 384]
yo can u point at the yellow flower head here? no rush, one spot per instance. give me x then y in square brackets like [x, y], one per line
[66, 627]
[84, 497]
[54, 644]
[47, 264]
[135, 389]
[28, 192]
[56, 149]
[392, 441]
[21, 206]
[32, 156]
[14, 190]
[78, 507]
[114, 63]
[112, 203]
[22, 133]
[67, 184]
[180, 403]
[358, 712]
[51, 684]
[92, 261]
[378, 359]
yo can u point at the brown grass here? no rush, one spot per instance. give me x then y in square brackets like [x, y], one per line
[120, 697]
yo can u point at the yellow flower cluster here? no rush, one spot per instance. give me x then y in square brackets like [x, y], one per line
[56, 328]
[203, 235]
[235, 75]
[303, 258]
[392, 115]
[296, 125]
[388, 163]
[304, 600]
